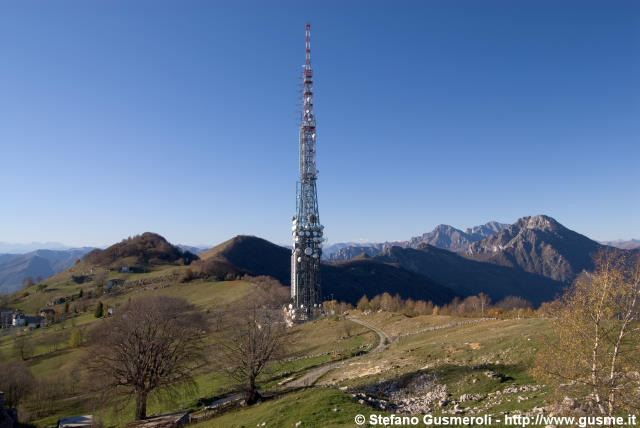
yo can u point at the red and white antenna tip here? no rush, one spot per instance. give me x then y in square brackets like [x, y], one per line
[308, 44]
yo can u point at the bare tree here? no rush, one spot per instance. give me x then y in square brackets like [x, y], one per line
[253, 336]
[511, 303]
[16, 382]
[22, 346]
[100, 279]
[485, 302]
[345, 328]
[596, 335]
[152, 344]
[27, 282]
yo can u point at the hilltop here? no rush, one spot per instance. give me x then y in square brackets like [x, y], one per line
[245, 254]
[347, 281]
[147, 249]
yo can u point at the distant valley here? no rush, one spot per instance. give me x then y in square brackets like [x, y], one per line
[35, 264]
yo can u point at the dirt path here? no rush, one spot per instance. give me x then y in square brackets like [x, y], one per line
[384, 339]
[313, 375]
[310, 377]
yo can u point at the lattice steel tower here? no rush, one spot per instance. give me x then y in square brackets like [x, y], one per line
[307, 230]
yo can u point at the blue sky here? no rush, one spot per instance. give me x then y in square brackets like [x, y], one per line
[181, 117]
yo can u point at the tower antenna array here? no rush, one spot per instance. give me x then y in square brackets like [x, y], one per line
[307, 230]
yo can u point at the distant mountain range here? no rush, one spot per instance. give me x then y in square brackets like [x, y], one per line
[443, 236]
[13, 248]
[23, 261]
[40, 263]
[192, 249]
[533, 258]
[347, 281]
[628, 244]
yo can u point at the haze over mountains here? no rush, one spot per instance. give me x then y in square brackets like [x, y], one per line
[43, 263]
[628, 244]
[22, 248]
[40, 263]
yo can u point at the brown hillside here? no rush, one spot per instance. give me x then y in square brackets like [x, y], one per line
[140, 250]
[347, 281]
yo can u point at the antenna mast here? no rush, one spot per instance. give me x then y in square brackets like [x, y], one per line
[307, 230]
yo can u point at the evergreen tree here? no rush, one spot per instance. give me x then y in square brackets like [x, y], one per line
[99, 310]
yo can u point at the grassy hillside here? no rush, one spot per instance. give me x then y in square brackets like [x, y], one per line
[313, 408]
[54, 362]
[487, 360]
[458, 356]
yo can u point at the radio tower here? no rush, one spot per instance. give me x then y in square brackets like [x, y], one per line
[307, 230]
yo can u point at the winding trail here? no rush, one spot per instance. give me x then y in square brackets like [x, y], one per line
[310, 377]
[313, 375]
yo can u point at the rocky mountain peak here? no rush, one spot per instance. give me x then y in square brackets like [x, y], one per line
[539, 222]
[540, 245]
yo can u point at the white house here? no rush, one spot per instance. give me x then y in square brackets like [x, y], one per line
[18, 320]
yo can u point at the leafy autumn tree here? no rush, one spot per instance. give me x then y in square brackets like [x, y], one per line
[374, 303]
[151, 345]
[363, 303]
[387, 303]
[423, 308]
[595, 346]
